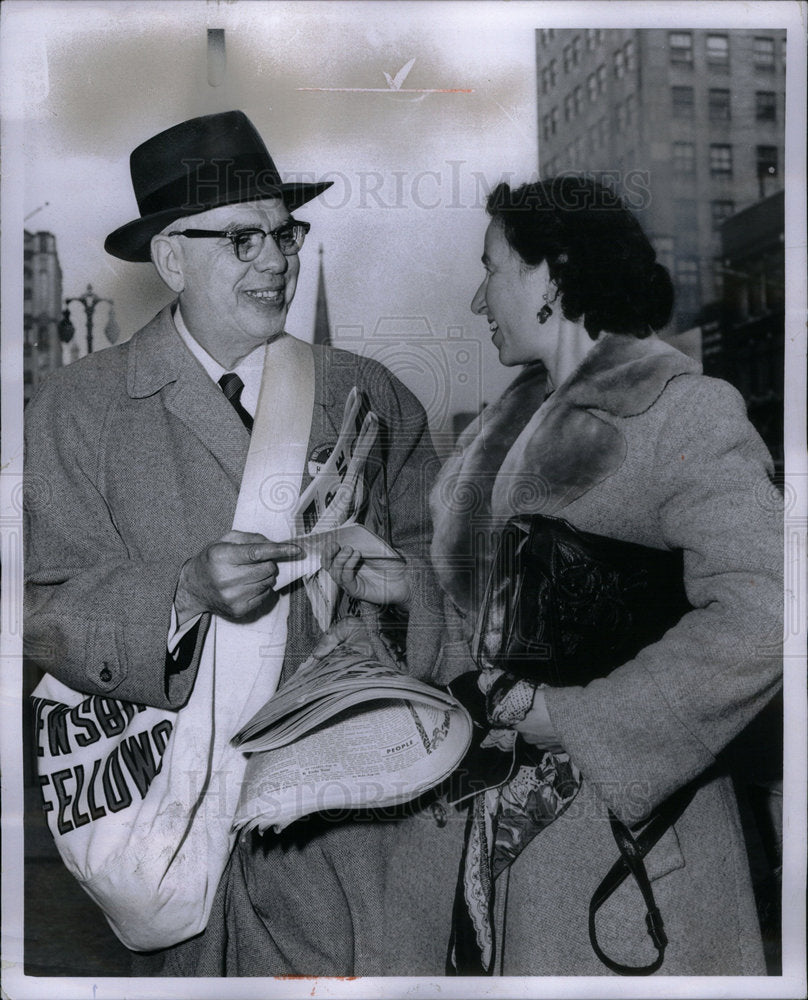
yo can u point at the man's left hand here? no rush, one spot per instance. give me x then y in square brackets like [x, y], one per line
[385, 582]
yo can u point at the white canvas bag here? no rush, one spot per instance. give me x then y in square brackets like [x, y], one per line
[140, 800]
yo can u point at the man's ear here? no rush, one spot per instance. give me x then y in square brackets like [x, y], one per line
[167, 261]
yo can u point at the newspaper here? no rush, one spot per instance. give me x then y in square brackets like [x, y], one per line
[347, 732]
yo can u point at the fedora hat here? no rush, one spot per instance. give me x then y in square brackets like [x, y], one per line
[195, 166]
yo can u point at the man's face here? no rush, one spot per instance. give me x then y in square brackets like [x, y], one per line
[232, 307]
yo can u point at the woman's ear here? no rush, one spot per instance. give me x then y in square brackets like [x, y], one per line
[167, 261]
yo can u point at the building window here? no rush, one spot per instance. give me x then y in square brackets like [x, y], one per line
[631, 109]
[767, 161]
[554, 121]
[600, 73]
[592, 38]
[720, 210]
[576, 50]
[664, 249]
[681, 48]
[720, 160]
[620, 116]
[592, 87]
[619, 64]
[545, 80]
[568, 107]
[718, 51]
[547, 35]
[686, 214]
[765, 106]
[631, 61]
[567, 56]
[682, 98]
[763, 49]
[577, 100]
[684, 158]
[553, 72]
[687, 275]
[545, 127]
[719, 105]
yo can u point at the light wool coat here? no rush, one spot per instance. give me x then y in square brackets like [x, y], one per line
[638, 445]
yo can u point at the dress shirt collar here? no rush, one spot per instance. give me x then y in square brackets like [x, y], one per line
[249, 369]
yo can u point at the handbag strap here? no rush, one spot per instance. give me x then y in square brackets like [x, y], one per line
[631, 862]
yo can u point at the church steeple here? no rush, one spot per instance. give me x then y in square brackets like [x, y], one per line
[322, 330]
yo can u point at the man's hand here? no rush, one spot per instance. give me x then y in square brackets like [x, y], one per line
[232, 577]
[381, 581]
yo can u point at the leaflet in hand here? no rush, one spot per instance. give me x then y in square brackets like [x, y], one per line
[375, 551]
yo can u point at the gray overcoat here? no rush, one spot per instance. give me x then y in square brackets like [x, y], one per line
[134, 459]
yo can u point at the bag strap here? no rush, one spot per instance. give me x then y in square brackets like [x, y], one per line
[631, 862]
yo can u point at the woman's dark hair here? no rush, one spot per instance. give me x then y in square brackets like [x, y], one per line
[598, 256]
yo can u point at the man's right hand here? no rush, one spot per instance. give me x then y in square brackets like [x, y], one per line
[231, 577]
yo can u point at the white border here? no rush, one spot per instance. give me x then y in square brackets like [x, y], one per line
[529, 14]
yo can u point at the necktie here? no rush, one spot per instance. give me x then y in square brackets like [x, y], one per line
[231, 386]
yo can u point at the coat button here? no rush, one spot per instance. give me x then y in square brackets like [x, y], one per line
[106, 674]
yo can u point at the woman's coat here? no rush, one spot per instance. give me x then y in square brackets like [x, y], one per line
[637, 445]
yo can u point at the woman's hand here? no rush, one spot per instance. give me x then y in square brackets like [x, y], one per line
[381, 581]
[537, 726]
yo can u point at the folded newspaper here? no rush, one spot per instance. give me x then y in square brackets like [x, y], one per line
[347, 732]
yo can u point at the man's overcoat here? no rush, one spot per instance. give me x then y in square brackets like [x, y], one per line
[134, 459]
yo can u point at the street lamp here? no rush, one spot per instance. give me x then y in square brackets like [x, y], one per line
[89, 300]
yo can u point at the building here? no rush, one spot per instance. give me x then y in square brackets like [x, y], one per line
[688, 125]
[743, 339]
[42, 309]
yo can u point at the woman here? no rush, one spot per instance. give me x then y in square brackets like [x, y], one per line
[612, 430]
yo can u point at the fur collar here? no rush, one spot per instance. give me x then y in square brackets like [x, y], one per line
[522, 455]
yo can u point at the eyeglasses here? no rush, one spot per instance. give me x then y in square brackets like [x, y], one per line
[248, 243]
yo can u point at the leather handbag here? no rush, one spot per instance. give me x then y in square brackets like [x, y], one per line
[563, 607]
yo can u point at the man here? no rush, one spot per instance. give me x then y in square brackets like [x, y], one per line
[142, 448]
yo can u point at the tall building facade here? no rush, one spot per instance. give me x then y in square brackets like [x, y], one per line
[688, 125]
[42, 309]
[743, 334]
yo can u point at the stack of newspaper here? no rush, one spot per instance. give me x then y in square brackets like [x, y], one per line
[347, 732]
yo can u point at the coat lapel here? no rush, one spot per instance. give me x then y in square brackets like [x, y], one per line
[160, 363]
[522, 457]
[574, 442]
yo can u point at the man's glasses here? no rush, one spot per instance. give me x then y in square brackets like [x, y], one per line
[248, 243]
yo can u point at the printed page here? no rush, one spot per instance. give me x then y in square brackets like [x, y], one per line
[373, 758]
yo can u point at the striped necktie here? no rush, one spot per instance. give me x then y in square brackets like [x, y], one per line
[231, 386]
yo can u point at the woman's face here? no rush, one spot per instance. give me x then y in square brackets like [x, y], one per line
[510, 297]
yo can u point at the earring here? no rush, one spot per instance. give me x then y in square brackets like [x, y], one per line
[545, 312]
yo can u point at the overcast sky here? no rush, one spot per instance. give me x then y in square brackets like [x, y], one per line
[403, 226]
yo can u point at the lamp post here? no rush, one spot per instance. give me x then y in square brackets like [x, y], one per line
[89, 300]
